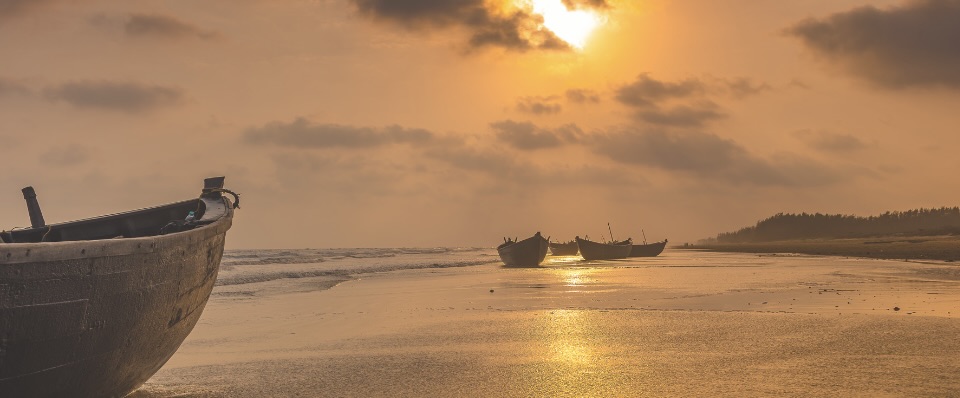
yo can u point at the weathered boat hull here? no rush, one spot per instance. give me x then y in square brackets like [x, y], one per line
[603, 251]
[529, 252]
[564, 249]
[98, 318]
[648, 250]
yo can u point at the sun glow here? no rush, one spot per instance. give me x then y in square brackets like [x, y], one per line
[573, 27]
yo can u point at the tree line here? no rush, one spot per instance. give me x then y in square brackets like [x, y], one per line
[941, 221]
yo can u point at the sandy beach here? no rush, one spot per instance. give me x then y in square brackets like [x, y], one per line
[687, 323]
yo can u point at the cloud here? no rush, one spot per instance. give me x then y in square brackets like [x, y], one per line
[682, 115]
[587, 4]
[12, 87]
[15, 8]
[683, 103]
[829, 141]
[744, 87]
[115, 96]
[526, 136]
[648, 92]
[582, 96]
[487, 25]
[710, 158]
[539, 105]
[477, 159]
[163, 26]
[348, 175]
[70, 155]
[302, 133]
[914, 44]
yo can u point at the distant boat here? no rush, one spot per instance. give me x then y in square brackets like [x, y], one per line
[591, 250]
[93, 308]
[564, 248]
[529, 252]
[648, 250]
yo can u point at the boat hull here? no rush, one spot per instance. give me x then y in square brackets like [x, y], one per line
[648, 250]
[591, 250]
[99, 318]
[564, 249]
[529, 252]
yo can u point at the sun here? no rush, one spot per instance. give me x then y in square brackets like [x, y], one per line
[571, 26]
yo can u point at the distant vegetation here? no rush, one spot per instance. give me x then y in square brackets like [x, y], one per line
[922, 222]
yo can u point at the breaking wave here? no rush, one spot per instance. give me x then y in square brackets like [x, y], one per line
[252, 266]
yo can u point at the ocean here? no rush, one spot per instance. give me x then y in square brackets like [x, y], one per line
[239, 267]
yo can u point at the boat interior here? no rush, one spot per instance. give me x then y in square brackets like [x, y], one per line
[145, 222]
[152, 221]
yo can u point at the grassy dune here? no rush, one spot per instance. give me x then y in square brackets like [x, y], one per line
[945, 248]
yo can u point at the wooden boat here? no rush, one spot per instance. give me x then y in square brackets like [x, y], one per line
[529, 252]
[564, 248]
[93, 308]
[591, 250]
[648, 249]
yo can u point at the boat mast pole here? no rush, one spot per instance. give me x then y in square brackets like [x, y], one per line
[644, 236]
[611, 233]
[33, 207]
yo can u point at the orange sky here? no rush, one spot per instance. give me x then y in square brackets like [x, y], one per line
[381, 123]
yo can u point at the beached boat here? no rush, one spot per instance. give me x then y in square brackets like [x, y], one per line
[648, 249]
[564, 248]
[529, 252]
[591, 250]
[93, 308]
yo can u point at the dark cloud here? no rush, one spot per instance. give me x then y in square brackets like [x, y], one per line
[10, 86]
[582, 96]
[587, 4]
[682, 115]
[684, 103]
[514, 29]
[116, 96]
[915, 44]
[301, 133]
[14, 8]
[648, 92]
[527, 136]
[539, 105]
[163, 26]
[744, 87]
[829, 141]
[710, 158]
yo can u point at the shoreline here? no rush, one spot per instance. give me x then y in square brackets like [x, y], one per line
[685, 323]
[943, 248]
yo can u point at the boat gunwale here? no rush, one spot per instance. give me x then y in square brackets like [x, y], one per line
[29, 252]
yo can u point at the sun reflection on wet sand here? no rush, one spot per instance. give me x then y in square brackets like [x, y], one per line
[568, 344]
[578, 359]
[561, 260]
[577, 277]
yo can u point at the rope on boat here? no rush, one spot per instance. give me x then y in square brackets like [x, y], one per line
[236, 196]
[44, 237]
[183, 225]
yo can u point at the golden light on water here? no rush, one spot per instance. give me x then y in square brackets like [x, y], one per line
[571, 26]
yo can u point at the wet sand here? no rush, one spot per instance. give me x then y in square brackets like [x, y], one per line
[687, 323]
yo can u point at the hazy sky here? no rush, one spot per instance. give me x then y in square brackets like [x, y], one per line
[388, 123]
